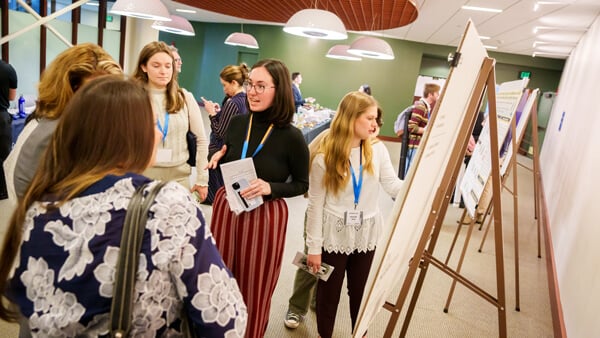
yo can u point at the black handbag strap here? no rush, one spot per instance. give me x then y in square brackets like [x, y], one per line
[129, 254]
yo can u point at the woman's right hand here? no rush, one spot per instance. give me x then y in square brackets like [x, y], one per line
[211, 107]
[313, 262]
[214, 160]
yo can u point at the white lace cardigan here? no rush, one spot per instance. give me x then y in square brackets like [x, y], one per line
[325, 227]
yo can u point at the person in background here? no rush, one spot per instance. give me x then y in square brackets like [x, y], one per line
[365, 88]
[176, 112]
[252, 242]
[296, 81]
[344, 220]
[60, 252]
[419, 118]
[232, 78]
[176, 58]
[62, 78]
[303, 292]
[8, 92]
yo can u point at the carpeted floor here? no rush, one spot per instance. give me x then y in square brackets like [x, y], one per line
[469, 315]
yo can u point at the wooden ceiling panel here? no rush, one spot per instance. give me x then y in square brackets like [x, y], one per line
[357, 15]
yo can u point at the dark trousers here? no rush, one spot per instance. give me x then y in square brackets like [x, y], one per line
[5, 145]
[357, 266]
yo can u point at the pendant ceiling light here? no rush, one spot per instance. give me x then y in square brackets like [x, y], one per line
[143, 9]
[177, 25]
[316, 23]
[341, 52]
[241, 39]
[370, 47]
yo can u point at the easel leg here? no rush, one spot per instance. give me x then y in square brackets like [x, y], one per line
[487, 229]
[460, 223]
[459, 266]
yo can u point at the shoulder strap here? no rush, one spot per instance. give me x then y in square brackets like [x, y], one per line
[129, 254]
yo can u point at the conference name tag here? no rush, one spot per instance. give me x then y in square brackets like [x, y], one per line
[164, 155]
[353, 217]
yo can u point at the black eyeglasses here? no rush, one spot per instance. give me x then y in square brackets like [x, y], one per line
[259, 88]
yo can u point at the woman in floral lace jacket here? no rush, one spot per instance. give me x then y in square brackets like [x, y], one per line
[344, 221]
[59, 255]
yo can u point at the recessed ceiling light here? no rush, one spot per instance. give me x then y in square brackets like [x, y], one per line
[490, 47]
[548, 54]
[482, 9]
[554, 43]
[185, 10]
[484, 37]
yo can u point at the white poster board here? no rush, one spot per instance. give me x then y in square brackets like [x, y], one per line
[407, 221]
[521, 123]
[480, 166]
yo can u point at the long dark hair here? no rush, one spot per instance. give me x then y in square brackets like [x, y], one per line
[107, 127]
[283, 108]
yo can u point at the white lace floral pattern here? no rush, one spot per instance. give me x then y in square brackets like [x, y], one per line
[67, 290]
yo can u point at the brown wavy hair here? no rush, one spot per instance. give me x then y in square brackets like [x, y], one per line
[67, 73]
[175, 97]
[106, 128]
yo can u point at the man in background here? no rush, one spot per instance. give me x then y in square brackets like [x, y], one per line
[419, 119]
[8, 92]
[296, 81]
[176, 58]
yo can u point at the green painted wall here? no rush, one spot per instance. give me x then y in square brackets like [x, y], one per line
[328, 80]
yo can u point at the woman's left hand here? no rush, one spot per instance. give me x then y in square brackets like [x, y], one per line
[257, 188]
[201, 190]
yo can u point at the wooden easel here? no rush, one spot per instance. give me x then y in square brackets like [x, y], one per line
[512, 163]
[489, 208]
[423, 257]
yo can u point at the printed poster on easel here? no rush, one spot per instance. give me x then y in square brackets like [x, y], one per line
[406, 223]
[521, 123]
[480, 167]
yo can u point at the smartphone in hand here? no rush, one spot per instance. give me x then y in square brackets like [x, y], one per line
[250, 204]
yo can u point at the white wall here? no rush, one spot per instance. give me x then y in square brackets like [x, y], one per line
[570, 165]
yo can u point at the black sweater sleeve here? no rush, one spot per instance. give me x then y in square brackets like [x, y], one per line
[283, 160]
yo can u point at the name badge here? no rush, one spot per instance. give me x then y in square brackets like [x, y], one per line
[164, 155]
[353, 217]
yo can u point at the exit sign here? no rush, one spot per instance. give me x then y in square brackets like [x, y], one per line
[524, 74]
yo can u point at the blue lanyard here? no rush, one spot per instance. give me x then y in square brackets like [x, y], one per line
[262, 142]
[166, 129]
[357, 185]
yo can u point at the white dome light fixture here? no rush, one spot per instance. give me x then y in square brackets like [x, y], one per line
[142, 9]
[241, 39]
[341, 52]
[370, 47]
[316, 23]
[177, 25]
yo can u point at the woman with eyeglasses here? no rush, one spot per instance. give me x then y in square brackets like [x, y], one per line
[232, 78]
[252, 242]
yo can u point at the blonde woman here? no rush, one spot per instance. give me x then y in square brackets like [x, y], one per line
[343, 218]
[61, 79]
[176, 111]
